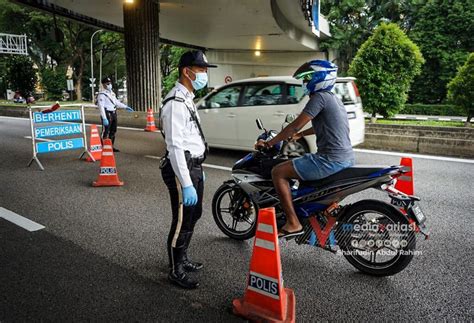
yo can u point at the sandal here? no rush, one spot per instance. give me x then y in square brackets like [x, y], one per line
[282, 233]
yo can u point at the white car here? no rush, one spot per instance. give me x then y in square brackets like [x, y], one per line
[228, 113]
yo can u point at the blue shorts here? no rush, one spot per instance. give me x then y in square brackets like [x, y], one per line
[311, 167]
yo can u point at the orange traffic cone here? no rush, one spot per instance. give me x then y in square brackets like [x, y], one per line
[265, 299]
[150, 121]
[95, 147]
[405, 182]
[108, 172]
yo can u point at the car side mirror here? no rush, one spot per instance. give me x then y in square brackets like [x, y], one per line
[290, 118]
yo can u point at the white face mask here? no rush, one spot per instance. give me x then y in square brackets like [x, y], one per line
[109, 87]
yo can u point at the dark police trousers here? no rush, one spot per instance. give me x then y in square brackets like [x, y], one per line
[111, 129]
[184, 217]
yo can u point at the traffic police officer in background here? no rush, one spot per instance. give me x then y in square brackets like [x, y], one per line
[108, 104]
[181, 167]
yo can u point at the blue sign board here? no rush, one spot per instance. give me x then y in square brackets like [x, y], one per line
[315, 15]
[63, 130]
[66, 115]
[59, 145]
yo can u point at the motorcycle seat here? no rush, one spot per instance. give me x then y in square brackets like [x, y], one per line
[345, 174]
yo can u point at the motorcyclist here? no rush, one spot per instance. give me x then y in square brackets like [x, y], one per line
[331, 127]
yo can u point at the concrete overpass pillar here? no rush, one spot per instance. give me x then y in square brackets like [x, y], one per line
[142, 47]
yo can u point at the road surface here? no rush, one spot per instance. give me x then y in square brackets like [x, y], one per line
[101, 254]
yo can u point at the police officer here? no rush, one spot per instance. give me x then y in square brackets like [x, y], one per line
[108, 104]
[181, 167]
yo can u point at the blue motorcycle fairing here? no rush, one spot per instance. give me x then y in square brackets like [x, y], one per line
[384, 171]
[244, 159]
[308, 209]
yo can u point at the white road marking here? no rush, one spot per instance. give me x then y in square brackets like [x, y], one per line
[152, 157]
[217, 167]
[39, 139]
[392, 153]
[19, 220]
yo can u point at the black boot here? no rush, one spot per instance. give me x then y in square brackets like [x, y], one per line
[115, 150]
[189, 265]
[177, 273]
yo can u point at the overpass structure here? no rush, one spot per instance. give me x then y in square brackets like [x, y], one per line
[246, 38]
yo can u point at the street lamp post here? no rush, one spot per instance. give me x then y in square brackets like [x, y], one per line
[92, 79]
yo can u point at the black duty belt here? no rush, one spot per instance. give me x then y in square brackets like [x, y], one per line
[190, 161]
[198, 160]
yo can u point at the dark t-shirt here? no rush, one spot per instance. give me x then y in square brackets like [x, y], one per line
[330, 125]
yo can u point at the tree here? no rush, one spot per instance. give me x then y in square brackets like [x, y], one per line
[385, 66]
[54, 82]
[444, 31]
[352, 22]
[461, 88]
[169, 59]
[57, 41]
[20, 75]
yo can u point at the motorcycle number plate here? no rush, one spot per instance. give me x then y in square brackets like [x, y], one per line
[416, 210]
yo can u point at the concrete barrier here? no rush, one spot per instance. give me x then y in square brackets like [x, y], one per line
[444, 141]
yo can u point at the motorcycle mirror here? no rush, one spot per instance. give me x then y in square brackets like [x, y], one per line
[260, 124]
[290, 118]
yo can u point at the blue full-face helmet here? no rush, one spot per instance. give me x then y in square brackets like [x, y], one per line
[317, 75]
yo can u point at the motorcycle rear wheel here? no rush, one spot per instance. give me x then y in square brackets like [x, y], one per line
[231, 204]
[358, 244]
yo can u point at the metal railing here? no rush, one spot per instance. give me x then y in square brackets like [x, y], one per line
[13, 44]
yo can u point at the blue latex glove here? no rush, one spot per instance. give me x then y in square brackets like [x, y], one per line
[190, 197]
[105, 122]
[129, 109]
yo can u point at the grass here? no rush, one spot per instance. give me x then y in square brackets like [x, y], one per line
[432, 123]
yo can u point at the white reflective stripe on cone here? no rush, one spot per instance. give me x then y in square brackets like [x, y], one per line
[265, 228]
[265, 244]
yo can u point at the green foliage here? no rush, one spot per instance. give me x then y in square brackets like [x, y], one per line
[63, 42]
[19, 74]
[461, 87]
[169, 59]
[432, 109]
[53, 82]
[385, 66]
[353, 21]
[431, 123]
[443, 29]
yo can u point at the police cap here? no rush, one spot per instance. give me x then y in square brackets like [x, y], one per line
[194, 58]
[106, 80]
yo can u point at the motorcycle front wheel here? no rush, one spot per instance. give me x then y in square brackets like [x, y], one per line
[234, 212]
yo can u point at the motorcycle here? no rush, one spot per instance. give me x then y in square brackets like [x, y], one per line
[376, 237]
